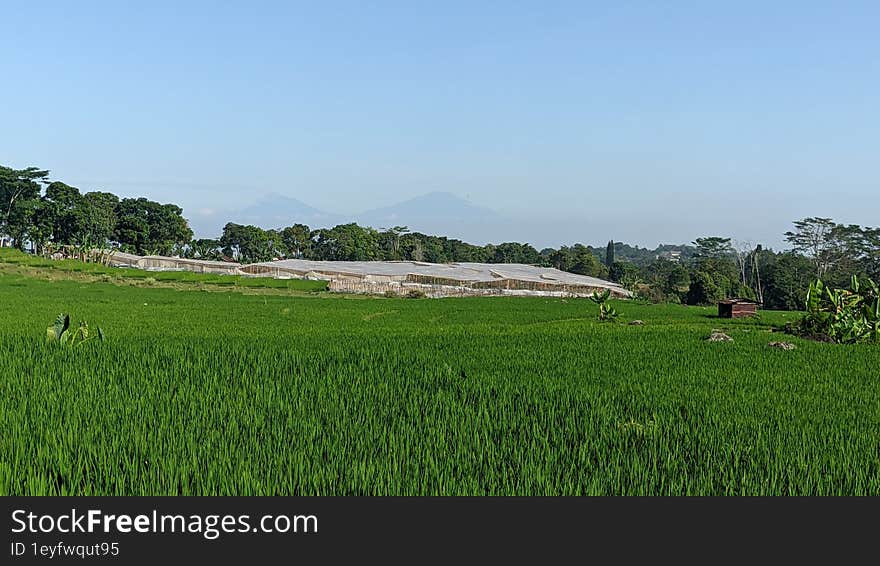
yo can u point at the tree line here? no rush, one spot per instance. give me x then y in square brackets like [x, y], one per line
[50, 214]
[710, 269]
[47, 215]
[716, 268]
[351, 242]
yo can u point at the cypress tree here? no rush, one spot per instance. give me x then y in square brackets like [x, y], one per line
[609, 254]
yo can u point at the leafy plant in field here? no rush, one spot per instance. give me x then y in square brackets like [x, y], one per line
[607, 313]
[62, 333]
[846, 316]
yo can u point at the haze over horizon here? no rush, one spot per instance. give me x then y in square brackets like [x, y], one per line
[571, 121]
[437, 213]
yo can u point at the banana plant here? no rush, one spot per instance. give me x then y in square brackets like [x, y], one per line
[607, 313]
[872, 314]
[843, 315]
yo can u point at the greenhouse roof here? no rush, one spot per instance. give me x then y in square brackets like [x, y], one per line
[465, 272]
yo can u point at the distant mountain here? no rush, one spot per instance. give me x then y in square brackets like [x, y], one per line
[433, 213]
[437, 212]
[278, 211]
[270, 211]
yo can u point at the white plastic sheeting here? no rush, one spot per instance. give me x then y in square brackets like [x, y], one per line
[462, 273]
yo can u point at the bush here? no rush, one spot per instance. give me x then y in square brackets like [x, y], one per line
[415, 294]
[704, 290]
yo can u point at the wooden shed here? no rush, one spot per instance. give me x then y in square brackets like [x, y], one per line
[737, 308]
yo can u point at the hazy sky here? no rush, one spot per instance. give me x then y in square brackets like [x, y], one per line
[645, 122]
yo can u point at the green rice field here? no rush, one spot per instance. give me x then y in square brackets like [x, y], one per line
[68, 266]
[228, 393]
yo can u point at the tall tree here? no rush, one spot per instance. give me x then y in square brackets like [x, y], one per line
[297, 240]
[97, 216]
[514, 252]
[16, 186]
[65, 203]
[41, 222]
[585, 262]
[816, 238]
[390, 241]
[23, 226]
[132, 229]
[855, 250]
[704, 290]
[870, 252]
[146, 226]
[609, 254]
[786, 278]
[247, 244]
[347, 242]
[560, 259]
[713, 247]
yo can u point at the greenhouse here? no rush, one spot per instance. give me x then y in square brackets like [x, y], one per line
[163, 263]
[437, 280]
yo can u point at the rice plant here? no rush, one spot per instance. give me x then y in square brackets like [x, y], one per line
[232, 394]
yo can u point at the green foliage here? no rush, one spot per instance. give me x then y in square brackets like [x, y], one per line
[703, 290]
[664, 281]
[786, 278]
[713, 247]
[247, 244]
[297, 241]
[415, 246]
[346, 242]
[627, 274]
[148, 227]
[61, 333]
[64, 216]
[204, 248]
[19, 193]
[578, 259]
[845, 316]
[513, 252]
[607, 313]
[816, 238]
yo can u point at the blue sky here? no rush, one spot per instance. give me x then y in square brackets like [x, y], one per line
[644, 122]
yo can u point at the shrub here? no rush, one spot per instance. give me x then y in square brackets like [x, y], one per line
[415, 294]
[704, 290]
